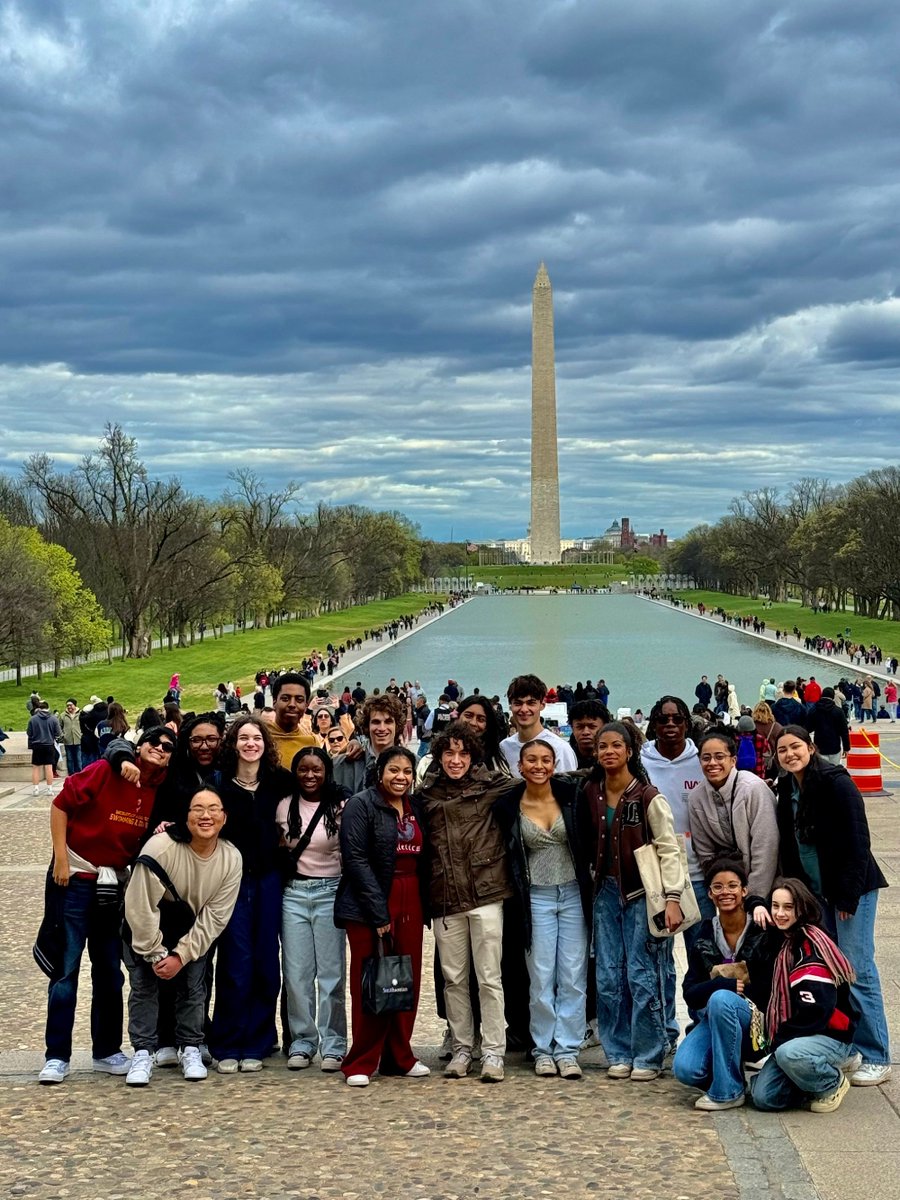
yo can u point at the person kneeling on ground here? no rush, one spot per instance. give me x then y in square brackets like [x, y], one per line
[728, 983]
[166, 944]
[811, 1017]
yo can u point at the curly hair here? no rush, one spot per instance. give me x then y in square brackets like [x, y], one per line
[629, 735]
[383, 703]
[183, 756]
[458, 731]
[270, 761]
[656, 713]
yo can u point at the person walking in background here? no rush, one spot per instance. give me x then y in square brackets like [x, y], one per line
[43, 732]
[71, 736]
[828, 725]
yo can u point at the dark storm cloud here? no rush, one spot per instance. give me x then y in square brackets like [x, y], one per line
[307, 234]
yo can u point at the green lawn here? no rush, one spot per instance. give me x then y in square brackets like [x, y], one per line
[885, 634]
[237, 657]
[562, 576]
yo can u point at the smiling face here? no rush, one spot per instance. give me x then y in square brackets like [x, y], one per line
[204, 741]
[249, 744]
[456, 760]
[716, 761]
[397, 779]
[382, 730]
[537, 763]
[612, 751]
[784, 909]
[476, 719]
[310, 772]
[157, 753]
[727, 892]
[205, 817]
[793, 754]
[527, 711]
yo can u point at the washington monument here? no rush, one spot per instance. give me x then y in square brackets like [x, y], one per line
[545, 536]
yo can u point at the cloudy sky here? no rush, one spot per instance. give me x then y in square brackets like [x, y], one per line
[302, 237]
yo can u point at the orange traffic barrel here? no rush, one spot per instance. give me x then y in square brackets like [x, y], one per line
[864, 760]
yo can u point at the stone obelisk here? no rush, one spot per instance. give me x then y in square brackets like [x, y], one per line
[545, 536]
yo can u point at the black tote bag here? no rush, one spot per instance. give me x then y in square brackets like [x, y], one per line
[387, 983]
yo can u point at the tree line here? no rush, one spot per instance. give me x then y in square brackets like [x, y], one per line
[105, 543]
[835, 545]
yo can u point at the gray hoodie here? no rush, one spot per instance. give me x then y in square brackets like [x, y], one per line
[43, 729]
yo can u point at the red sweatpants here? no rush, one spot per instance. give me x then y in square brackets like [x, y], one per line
[384, 1042]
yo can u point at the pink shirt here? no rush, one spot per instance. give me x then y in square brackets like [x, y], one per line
[322, 857]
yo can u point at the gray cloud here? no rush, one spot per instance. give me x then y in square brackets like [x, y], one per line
[303, 238]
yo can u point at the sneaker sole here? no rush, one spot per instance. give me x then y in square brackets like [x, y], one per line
[137, 1082]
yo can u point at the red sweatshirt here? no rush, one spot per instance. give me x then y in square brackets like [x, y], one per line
[107, 816]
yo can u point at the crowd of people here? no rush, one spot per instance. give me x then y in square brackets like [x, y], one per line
[250, 854]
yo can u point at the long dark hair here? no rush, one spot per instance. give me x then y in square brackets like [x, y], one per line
[184, 760]
[331, 795]
[493, 733]
[633, 763]
[806, 822]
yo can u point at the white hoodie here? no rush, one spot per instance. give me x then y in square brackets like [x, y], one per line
[676, 778]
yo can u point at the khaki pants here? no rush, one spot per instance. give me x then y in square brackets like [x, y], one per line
[481, 929]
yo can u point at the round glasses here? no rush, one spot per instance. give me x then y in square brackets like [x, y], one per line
[706, 759]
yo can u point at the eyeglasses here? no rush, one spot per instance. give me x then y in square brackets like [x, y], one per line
[166, 747]
[718, 888]
[706, 759]
[213, 811]
[670, 719]
[212, 740]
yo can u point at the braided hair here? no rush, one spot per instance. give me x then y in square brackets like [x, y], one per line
[656, 713]
[331, 794]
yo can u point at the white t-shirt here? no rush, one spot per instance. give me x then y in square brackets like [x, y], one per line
[565, 755]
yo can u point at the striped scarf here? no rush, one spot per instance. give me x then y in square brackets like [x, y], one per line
[780, 1000]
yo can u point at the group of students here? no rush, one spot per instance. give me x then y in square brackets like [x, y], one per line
[269, 856]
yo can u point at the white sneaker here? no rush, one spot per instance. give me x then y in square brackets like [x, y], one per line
[166, 1056]
[54, 1070]
[36, 791]
[871, 1074]
[357, 1081]
[418, 1071]
[332, 1063]
[249, 1065]
[140, 1070]
[113, 1064]
[299, 1061]
[227, 1066]
[591, 1037]
[192, 1067]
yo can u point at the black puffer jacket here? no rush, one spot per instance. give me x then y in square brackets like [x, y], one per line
[840, 833]
[507, 813]
[368, 855]
[758, 950]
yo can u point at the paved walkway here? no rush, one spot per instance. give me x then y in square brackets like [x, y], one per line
[306, 1135]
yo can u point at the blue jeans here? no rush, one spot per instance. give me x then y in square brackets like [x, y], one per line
[96, 926]
[73, 760]
[314, 960]
[248, 975]
[631, 967]
[804, 1066]
[711, 1056]
[856, 937]
[557, 969]
[707, 912]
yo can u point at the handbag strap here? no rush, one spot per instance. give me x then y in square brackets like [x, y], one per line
[162, 875]
[306, 836]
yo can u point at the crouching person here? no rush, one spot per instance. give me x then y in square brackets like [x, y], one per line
[182, 893]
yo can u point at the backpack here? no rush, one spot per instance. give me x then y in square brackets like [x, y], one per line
[233, 704]
[443, 717]
[746, 752]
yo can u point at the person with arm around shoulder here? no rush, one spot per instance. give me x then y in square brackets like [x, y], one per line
[811, 1016]
[824, 837]
[728, 982]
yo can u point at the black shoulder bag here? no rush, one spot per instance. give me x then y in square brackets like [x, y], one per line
[176, 917]
[290, 858]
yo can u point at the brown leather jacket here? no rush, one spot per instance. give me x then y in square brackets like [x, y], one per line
[467, 854]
